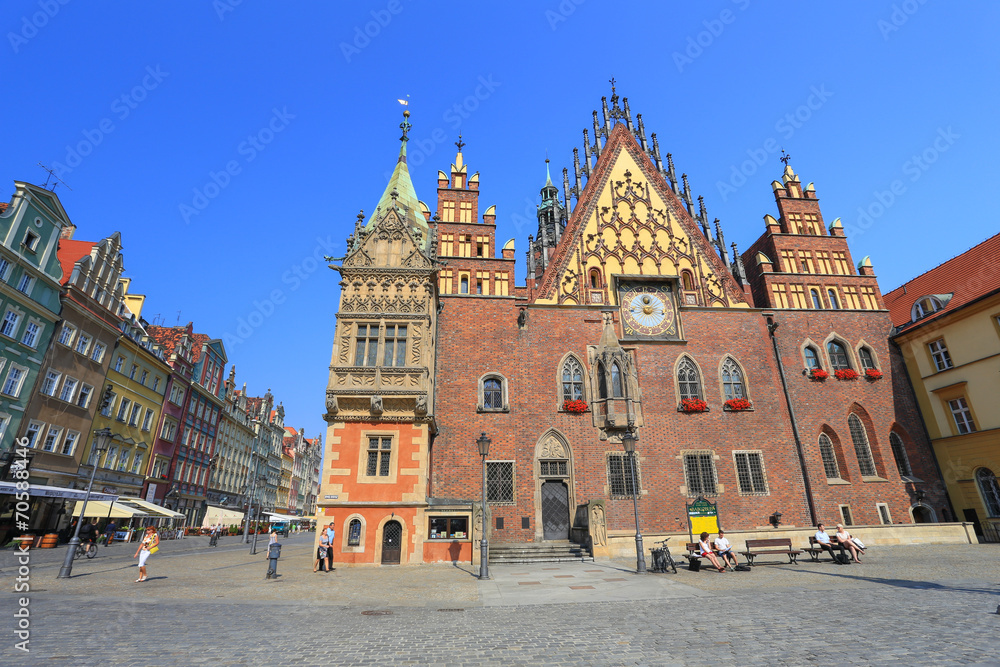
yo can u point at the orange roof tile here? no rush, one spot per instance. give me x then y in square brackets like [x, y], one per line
[69, 253]
[967, 277]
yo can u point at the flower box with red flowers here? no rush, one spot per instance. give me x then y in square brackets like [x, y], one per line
[873, 374]
[847, 374]
[693, 405]
[575, 406]
[818, 374]
[738, 405]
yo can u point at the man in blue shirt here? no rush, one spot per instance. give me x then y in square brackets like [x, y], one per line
[330, 534]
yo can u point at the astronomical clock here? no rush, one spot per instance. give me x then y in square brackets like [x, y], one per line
[649, 310]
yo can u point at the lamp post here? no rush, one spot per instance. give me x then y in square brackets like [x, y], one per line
[102, 438]
[484, 569]
[629, 439]
[253, 549]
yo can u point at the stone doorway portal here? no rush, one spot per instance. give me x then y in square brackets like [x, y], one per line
[555, 510]
[392, 539]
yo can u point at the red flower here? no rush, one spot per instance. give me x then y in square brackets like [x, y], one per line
[738, 404]
[575, 406]
[873, 374]
[693, 405]
[818, 374]
[847, 374]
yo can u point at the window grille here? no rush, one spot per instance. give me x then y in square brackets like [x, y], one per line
[395, 345]
[492, 394]
[990, 489]
[838, 356]
[366, 353]
[379, 456]
[830, 466]
[572, 380]
[500, 482]
[699, 471]
[732, 380]
[620, 475]
[899, 453]
[750, 473]
[861, 446]
[354, 533]
[940, 355]
[963, 416]
[553, 468]
[687, 379]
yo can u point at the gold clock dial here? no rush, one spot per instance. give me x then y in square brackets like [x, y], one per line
[647, 310]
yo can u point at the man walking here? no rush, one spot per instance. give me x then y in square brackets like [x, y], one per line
[330, 534]
[109, 533]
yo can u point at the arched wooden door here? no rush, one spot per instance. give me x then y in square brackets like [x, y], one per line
[392, 540]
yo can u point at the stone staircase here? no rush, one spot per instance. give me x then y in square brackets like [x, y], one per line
[562, 551]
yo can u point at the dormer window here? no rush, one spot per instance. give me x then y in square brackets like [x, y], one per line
[30, 240]
[925, 306]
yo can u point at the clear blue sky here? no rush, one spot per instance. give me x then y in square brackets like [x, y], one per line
[300, 105]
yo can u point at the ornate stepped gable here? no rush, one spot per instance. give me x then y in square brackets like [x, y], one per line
[629, 221]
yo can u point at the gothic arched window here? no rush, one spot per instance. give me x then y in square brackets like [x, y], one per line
[867, 361]
[990, 489]
[899, 453]
[617, 388]
[830, 466]
[817, 302]
[834, 303]
[688, 383]
[862, 449]
[602, 381]
[492, 394]
[732, 380]
[838, 355]
[354, 533]
[812, 357]
[572, 380]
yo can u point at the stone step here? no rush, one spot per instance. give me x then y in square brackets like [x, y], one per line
[539, 552]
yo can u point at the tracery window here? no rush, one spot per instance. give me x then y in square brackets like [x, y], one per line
[862, 448]
[572, 380]
[838, 355]
[867, 361]
[899, 453]
[688, 382]
[732, 380]
[990, 490]
[812, 357]
[830, 466]
[617, 388]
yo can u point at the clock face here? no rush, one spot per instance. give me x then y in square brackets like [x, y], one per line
[648, 311]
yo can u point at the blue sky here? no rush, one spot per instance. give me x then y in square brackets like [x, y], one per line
[233, 143]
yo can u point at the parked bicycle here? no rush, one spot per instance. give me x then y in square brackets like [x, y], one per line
[87, 547]
[662, 558]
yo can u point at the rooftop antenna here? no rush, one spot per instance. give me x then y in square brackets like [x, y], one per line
[52, 174]
[178, 318]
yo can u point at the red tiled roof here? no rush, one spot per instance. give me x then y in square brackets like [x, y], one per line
[3, 206]
[69, 253]
[969, 276]
[168, 337]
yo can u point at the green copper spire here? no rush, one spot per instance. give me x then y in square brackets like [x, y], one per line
[548, 176]
[400, 195]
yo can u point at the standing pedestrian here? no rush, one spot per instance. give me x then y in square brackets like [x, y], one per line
[331, 533]
[149, 544]
[109, 532]
[321, 551]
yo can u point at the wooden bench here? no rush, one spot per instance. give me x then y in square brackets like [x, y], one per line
[769, 547]
[815, 550]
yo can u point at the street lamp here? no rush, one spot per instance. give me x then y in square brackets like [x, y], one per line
[484, 569]
[629, 439]
[102, 439]
[256, 531]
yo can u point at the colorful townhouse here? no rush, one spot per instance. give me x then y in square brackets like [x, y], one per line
[30, 274]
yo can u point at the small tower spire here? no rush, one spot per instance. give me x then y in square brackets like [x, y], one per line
[687, 195]
[607, 117]
[738, 270]
[720, 243]
[597, 138]
[576, 168]
[628, 116]
[588, 165]
[656, 155]
[703, 217]
[567, 204]
[671, 174]
[642, 133]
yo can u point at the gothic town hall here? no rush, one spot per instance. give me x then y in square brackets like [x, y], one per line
[762, 381]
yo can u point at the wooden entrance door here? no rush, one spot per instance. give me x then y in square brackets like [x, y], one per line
[555, 510]
[392, 540]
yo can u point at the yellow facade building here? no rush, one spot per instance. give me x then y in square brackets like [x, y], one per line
[947, 325]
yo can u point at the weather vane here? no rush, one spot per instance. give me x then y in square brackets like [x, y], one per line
[785, 157]
[612, 82]
[460, 143]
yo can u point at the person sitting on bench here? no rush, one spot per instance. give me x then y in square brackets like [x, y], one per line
[725, 549]
[823, 540]
[705, 551]
[845, 540]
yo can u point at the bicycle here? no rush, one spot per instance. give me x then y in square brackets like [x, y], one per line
[88, 547]
[662, 558]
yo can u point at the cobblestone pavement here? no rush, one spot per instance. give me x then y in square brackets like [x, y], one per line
[925, 605]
